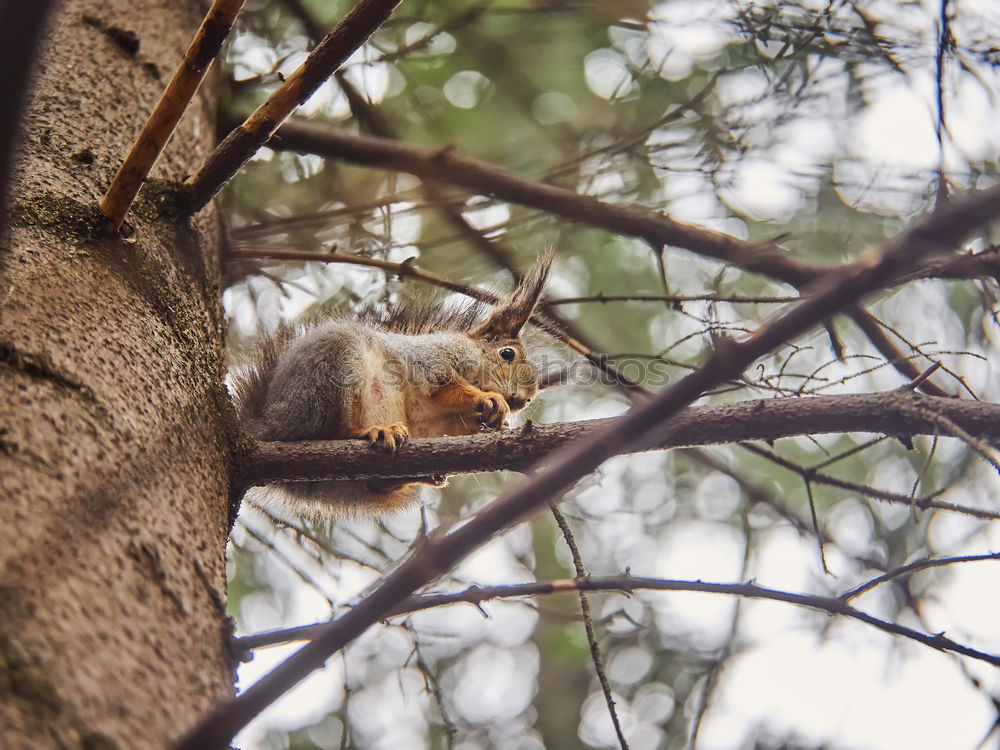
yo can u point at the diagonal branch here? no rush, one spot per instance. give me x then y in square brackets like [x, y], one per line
[446, 165]
[647, 423]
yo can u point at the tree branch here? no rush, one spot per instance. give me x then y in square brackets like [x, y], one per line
[446, 165]
[628, 584]
[898, 413]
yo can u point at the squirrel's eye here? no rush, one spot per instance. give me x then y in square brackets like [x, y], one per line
[507, 354]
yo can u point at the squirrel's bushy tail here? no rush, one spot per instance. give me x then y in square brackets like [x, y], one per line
[250, 380]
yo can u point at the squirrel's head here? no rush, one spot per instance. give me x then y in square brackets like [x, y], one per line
[504, 366]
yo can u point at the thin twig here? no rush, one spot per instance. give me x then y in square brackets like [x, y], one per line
[872, 328]
[836, 458]
[432, 685]
[300, 572]
[756, 495]
[919, 379]
[588, 624]
[931, 562]
[872, 492]
[672, 298]
[405, 269]
[972, 441]
[916, 348]
[815, 524]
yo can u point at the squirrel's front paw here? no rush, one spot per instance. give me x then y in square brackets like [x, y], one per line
[387, 438]
[493, 411]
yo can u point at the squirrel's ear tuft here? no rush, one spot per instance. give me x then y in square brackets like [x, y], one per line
[508, 317]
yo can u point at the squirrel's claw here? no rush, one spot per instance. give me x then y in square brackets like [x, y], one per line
[387, 438]
[493, 411]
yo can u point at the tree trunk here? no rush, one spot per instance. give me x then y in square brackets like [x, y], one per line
[114, 449]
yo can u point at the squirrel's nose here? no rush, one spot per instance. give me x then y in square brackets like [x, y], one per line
[516, 403]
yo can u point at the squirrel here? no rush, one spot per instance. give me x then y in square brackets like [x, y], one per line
[424, 370]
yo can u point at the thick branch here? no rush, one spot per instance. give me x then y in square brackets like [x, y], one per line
[898, 413]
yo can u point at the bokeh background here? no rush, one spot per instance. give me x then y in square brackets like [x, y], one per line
[823, 128]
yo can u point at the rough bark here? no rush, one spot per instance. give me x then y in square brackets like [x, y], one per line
[114, 457]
